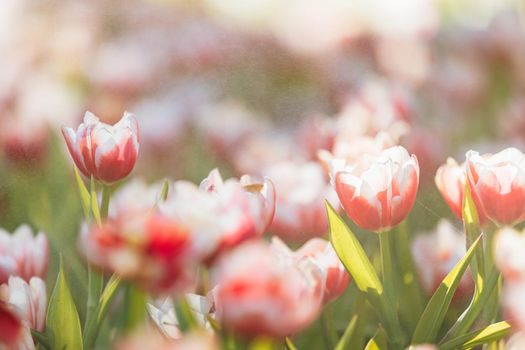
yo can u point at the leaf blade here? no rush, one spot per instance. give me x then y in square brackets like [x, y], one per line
[63, 323]
[432, 318]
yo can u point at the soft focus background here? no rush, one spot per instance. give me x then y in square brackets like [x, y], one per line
[241, 85]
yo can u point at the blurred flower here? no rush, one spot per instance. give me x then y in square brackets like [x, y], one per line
[222, 214]
[124, 200]
[147, 247]
[516, 342]
[224, 126]
[377, 192]
[162, 313]
[301, 190]
[423, 347]
[259, 195]
[259, 293]
[320, 252]
[108, 153]
[497, 183]
[513, 304]
[451, 180]
[436, 253]
[351, 149]
[145, 339]
[22, 254]
[315, 134]
[509, 246]
[23, 144]
[12, 330]
[23, 304]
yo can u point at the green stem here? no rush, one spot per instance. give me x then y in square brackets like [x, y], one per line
[395, 334]
[184, 314]
[327, 330]
[104, 207]
[387, 265]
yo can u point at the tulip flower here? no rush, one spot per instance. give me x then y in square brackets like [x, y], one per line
[516, 341]
[22, 254]
[509, 246]
[450, 180]
[497, 183]
[435, 255]
[108, 153]
[146, 339]
[377, 192]
[22, 309]
[334, 277]
[513, 304]
[261, 293]
[301, 190]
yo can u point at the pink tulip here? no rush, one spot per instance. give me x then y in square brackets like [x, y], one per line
[261, 293]
[497, 183]
[108, 153]
[516, 341]
[377, 193]
[334, 278]
[300, 211]
[450, 180]
[509, 246]
[436, 253]
[22, 308]
[146, 339]
[22, 254]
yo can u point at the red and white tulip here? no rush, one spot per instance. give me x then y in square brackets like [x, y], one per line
[108, 153]
[377, 192]
[497, 183]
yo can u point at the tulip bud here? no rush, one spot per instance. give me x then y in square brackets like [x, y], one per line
[377, 193]
[497, 183]
[22, 254]
[261, 293]
[108, 153]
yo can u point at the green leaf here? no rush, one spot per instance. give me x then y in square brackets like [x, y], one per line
[63, 324]
[486, 335]
[85, 198]
[42, 339]
[356, 262]
[478, 303]
[94, 202]
[432, 318]
[378, 342]
[93, 325]
[353, 255]
[289, 344]
[344, 342]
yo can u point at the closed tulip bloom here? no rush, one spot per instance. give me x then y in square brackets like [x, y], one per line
[22, 254]
[450, 180]
[261, 293]
[334, 277]
[497, 183]
[377, 192]
[22, 309]
[509, 246]
[108, 153]
[435, 255]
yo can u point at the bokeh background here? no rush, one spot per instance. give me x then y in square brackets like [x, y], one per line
[242, 84]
